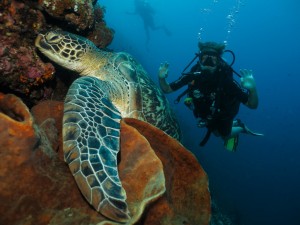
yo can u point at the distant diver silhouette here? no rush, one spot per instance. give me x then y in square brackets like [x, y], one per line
[146, 12]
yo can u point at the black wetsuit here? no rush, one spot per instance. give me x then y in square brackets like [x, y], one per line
[216, 97]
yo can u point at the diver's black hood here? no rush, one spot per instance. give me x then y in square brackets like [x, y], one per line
[211, 48]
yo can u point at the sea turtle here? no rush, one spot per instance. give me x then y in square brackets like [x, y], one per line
[112, 86]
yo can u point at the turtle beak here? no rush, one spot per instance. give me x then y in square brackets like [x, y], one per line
[41, 43]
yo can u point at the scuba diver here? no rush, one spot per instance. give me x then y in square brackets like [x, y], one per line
[146, 12]
[213, 94]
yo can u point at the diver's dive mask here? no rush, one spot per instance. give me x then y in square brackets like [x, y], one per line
[210, 52]
[210, 60]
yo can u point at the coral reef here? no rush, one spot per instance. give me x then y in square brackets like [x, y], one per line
[141, 172]
[76, 13]
[46, 114]
[187, 198]
[34, 179]
[16, 126]
[22, 72]
[101, 35]
[21, 69]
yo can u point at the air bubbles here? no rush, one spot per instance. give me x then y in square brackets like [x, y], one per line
[231, 17]
[200, 34]
[205, 11]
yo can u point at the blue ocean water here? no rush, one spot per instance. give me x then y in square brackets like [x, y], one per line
[260, 183]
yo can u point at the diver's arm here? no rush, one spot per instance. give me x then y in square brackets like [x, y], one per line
[164, 85]
[248, 82]
[252, 102]
[162, 75]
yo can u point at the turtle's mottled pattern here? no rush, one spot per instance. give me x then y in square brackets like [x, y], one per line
[150, 104]
[112, 86]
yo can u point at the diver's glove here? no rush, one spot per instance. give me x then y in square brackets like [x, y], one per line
[247, 79]
[163, 70]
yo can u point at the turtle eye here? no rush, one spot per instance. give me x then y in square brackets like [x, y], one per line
[53, 38]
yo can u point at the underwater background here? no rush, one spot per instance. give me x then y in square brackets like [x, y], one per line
[259, 184]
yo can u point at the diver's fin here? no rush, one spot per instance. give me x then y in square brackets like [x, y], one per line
[231, 143]
[246, 130]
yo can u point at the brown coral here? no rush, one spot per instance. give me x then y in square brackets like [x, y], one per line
[31, 190]
[32, 184]
[17, 135]
[16, 125]
[141, 172]
[50, 110]
[187, 198]
[38, 189]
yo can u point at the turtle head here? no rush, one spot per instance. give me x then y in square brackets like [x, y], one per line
[68, 50]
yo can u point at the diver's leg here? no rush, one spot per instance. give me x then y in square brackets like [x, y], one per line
[163, 28]
[231, 141]
[239, 127]
[236, 131]
[229, 134]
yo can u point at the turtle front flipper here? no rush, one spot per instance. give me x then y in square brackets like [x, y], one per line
[91, 134]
